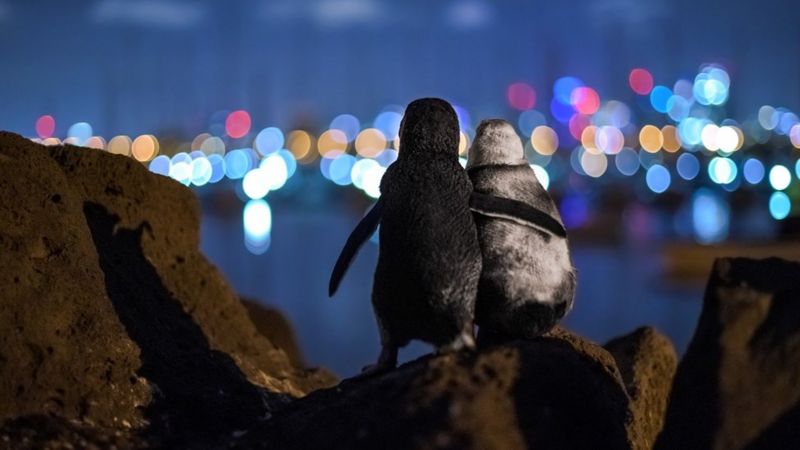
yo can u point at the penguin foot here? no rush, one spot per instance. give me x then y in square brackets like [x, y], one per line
[464, 341]
[387, 361]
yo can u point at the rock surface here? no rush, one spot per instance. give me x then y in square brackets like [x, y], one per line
[738, 386]
[273, 325]
[109, 312]
[559, 391]
[647, 361]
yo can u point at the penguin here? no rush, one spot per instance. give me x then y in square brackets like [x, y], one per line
[429, 262]
[527, 283]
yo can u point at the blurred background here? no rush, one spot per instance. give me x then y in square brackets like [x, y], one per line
[665, 129]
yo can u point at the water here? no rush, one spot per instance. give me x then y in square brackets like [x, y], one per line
[620, 287]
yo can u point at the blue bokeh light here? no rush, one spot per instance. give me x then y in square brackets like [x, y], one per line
[753, 171]
[779, 205]
[658, 178]
[688, 166]
[710, 216]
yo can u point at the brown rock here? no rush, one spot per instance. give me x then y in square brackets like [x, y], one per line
[553, 392]
[273, 325]
[738, 386]
[62, 349]
[647, 362]
[110, 314]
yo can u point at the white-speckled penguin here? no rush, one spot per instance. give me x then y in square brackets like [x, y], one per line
[527, 282]
[429, 260]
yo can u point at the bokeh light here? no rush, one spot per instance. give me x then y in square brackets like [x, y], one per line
[347, 124]
[658, 178]
[257, 222]
[388, 122]
[269, 140]
[585, 100]
[80, 132]
[544, 140]
[688, 166]
[237, 163]
[145, 147]
[256, 183]
[650, 138]
[521, 96]
[45, 126]
[237, 124]
[710, 216]
[779, 177]
[779, 205]
[541, 175]
[641, 81]
[160, 165]
[659, 98]
[529, 120]
[753, 171]
[722, 170]
[370, 142]
[299, 143]
[330, 141]
[627, 161]
[672, 142]
[119, 145]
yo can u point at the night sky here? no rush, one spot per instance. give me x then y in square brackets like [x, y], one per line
[165, 66]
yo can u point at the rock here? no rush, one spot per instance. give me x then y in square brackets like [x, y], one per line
[110, 314]
[62, 349]
[647, 361]
[273, 325]
[559, 391]
[738, 386]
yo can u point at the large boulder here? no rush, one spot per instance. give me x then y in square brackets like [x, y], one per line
[647, 361]
[558, 391]
[109, 312]
[738, 386]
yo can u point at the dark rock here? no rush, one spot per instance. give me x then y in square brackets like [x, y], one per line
[273, 325]
[647, 361]
[110, 314]
[738, 386]
[559, 391]
[40, 432]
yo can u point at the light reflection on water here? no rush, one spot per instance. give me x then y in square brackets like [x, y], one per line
[619, 288]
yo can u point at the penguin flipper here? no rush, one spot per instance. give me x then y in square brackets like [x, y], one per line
[360, 234]
[523, 213]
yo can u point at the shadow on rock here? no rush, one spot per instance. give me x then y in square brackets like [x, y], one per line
[196, 391]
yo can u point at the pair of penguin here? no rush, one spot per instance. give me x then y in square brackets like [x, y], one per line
[485, 246]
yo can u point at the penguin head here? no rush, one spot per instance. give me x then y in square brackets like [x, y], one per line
[496, 142]
[429, 125]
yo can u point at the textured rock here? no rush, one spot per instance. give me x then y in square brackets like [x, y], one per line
[738, 386]
[647, 361]
[109, 312]
[559, 391]
[273, 325]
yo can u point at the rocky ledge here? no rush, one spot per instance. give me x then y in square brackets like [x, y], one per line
[116, 332]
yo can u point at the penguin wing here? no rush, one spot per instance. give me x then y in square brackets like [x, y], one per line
[360, 234]
[523, 213]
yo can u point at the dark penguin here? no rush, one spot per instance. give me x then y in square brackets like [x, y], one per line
[429, 263]
[528, 283]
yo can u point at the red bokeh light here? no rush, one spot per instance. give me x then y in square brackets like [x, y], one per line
[45, 126]
[521, 96]
[577, 123]
[237, 124]
[641, 81]
[585, 100]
